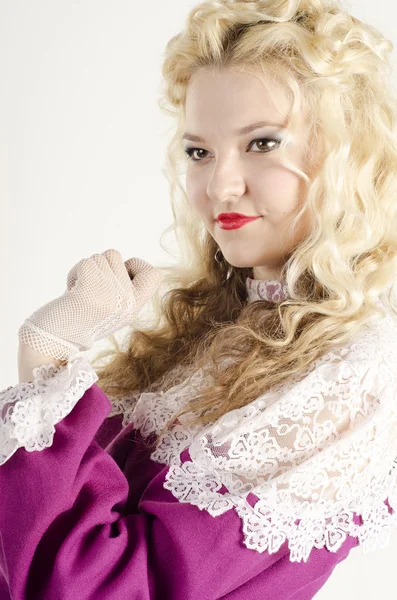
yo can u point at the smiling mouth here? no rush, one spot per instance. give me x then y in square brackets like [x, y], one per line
[235, 223]
[233, 216]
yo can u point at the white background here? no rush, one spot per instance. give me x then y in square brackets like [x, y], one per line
[82, 148]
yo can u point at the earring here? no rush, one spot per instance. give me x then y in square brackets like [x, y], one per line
[218, 257]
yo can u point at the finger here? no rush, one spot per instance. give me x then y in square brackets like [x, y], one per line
[117, 265]
[137, 266]
[77, 272]
[145, 278]
[86, 271]
[103, 265]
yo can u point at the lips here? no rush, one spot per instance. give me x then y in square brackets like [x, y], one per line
[227, 217]
[235, 223]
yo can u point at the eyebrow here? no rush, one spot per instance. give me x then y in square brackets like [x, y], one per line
[242, 131]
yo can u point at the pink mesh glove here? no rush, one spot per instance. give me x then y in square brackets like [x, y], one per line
[101, 298]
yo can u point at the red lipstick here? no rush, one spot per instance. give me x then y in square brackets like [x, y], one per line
[234, 220]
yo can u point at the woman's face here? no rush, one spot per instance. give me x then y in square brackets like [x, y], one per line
[234, 173]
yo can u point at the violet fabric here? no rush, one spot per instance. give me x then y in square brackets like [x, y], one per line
[88, 519]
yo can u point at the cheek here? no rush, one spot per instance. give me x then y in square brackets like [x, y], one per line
[196, 195]
[278, 190]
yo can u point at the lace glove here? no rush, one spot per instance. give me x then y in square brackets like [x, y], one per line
[103, 295]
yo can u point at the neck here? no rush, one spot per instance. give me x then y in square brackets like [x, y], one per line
[265, 273]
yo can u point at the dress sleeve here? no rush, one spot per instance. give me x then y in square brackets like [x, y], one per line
[65, 532]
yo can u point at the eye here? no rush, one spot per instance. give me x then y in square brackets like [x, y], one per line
[275, 144]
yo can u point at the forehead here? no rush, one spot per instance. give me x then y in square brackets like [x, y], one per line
[235, 98]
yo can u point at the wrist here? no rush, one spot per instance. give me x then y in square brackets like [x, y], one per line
[29, 359]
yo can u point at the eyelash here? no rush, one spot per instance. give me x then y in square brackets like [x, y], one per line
[189, 151]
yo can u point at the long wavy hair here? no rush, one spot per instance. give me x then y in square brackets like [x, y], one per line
[337, 68]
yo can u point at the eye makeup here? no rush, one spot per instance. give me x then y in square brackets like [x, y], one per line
[275, 140]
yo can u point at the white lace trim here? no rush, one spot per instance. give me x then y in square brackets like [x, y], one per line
[29, 410]
[313, 451]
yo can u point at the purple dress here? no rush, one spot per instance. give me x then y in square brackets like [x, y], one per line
[81, 520]
[89, 517]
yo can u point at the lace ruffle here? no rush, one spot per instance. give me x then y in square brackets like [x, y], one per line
[299, 462]
[30, 410]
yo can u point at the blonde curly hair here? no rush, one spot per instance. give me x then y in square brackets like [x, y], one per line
[337, 68]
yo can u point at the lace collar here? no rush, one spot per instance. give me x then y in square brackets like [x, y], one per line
[266, 289]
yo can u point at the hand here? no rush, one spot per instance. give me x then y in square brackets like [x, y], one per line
[103, 295]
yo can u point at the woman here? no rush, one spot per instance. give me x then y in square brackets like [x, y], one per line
[245, 442]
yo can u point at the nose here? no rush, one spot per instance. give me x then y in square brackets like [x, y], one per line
[227, 182]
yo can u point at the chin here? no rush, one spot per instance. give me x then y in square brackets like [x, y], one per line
[241, 264]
